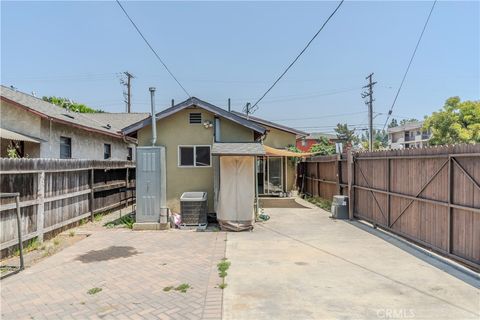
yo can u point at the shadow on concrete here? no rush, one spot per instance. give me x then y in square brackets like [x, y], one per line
[110, 253]
[452, 268]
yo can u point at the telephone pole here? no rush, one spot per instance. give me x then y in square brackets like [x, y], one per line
[369, 102]
[128, 84]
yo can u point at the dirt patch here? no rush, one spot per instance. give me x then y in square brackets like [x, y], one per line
[280, 203]
[44, 250]
[110, 253]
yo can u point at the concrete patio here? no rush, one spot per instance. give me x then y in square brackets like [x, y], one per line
[303, 265]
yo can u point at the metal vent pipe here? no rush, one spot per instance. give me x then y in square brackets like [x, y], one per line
[154, 118]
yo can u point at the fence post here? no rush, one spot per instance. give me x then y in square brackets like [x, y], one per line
[449, 197]
[351, 182]
[91, 202]
[388, 194]
[40, 205]
[339, 174]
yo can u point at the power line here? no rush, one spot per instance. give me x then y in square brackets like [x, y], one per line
[252, 109]
[151, 48]
[326, 116]
[410, 63]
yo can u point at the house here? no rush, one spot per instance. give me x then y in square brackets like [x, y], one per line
[196, 134]
[305, 143]
[38, 129]
[409, 135]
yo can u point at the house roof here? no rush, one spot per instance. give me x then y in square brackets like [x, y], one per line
[270, 124]
[238, 149]
[12, 135]
[57, 114]
[118, 120]
[406, 127]
[195, 102]
[318, 135]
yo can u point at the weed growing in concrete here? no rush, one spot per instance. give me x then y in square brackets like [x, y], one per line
[183, 287]
[31, 245]
[94, 290]
[166, 289]
[126, 221]
[223, 267]
[71, 233]
[56, 241]
[325, 204]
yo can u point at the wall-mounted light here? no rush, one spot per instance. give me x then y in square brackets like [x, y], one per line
[207, 124]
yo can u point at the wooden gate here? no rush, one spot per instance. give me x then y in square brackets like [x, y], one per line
[430, 196]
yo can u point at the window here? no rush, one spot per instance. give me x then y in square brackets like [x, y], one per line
[107, 151]
[194, 156]
[130, 154]
[195, 118]
[65, 148]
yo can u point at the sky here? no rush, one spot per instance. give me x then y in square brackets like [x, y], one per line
[221, 50]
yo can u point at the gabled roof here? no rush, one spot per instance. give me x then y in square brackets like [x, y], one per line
[195, 102]
[270, 124]
[57, 114]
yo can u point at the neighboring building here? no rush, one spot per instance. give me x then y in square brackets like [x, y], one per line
[39, 129]
[409, 135]
[305, 143]
[191, 130]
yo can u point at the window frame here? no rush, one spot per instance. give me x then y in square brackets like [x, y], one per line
[61, 144]
[109, 149]
[194, 146]
[195, 123]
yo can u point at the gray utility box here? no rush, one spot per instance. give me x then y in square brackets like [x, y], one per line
[340, 207]
[151, 185]
[193, 208]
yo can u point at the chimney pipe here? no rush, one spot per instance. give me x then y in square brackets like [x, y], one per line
[154, 118]
[229, 106]
[173, 102]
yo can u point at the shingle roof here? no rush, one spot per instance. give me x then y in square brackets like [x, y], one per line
[56, 113]
[193, 101]
[238, 149]
[118, 120]
[270, 124]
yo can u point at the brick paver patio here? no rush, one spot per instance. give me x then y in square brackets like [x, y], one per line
[132, 269]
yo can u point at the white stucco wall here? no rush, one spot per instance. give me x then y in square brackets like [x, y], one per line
[85, 144]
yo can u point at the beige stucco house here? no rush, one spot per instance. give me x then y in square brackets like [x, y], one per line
[39, 129]
[191, 129]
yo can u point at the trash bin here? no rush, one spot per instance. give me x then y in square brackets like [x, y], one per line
[193, 208]
[340, 207]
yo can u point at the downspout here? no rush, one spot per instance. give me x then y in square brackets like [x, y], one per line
[154, 122]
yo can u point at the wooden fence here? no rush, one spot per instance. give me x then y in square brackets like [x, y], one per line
[430, 196]
[55, 193]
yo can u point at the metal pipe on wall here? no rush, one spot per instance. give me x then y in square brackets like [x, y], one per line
[154, 118]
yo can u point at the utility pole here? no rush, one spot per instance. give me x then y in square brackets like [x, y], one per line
[369, 102]
[128, 84]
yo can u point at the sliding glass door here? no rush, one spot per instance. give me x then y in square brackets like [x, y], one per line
[270, 175]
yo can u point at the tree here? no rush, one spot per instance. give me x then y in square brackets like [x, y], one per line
[70, 105]
[456, 122]
[344, 134]
[393, 123]
[380, 139]
[323, 147]
[405, 121]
